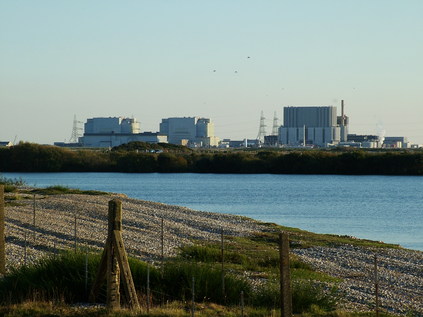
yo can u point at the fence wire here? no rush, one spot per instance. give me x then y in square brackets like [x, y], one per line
[33, 246]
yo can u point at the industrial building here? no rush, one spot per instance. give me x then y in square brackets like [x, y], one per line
[114, 131]
[363, 141]
[5, 144]
[313, 126]
[246, 143]
[375, 141]
[396, 142]
[190, 131]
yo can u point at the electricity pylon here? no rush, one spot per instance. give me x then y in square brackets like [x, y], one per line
[75, 131]
[262, 128]
[275, 125]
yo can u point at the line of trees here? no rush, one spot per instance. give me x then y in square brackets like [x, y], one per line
[28, 157]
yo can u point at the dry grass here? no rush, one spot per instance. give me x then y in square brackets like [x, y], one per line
[174, 309]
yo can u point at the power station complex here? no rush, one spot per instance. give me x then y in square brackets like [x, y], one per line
[110, 132]
[303, 126]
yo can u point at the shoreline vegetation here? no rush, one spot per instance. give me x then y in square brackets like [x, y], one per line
[331, 275]
[139, 157]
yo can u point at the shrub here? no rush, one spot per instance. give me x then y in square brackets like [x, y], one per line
[208, 283]
[55, 278]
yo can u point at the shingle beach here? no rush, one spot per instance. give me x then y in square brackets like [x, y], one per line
[400, 270]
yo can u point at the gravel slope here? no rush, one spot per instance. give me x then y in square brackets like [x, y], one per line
[400, 271]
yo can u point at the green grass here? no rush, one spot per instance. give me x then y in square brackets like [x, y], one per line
[46, 289]
[11, 184]
[16, 195]
[57, 190]
[173, 309]
[260, 256]
[60, 279]
[304, 239]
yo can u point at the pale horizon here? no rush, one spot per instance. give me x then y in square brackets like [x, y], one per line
[223, 60]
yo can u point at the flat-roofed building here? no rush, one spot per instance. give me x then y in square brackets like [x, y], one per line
[6, 143]
[115, 131]
[192, 131]
[312, 125]
[396, 142]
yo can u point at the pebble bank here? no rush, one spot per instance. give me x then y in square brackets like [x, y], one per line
[400, 270]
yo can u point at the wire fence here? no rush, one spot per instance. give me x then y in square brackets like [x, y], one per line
[36, 240]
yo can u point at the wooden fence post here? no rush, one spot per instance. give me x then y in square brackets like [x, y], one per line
[222, 269]
[285, 282]
[112, 277]
[86, 273]
[114, 263]
[75, 233]
[33, 220]
[148, 288]
[2, 233]
[162, 245]
[25, 247]
[376, 287]
[242, 303]
[193, 297]
[162, 254]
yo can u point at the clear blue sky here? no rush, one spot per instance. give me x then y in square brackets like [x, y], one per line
[157, 59]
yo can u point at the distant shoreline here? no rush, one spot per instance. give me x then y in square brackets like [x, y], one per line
[28, 157]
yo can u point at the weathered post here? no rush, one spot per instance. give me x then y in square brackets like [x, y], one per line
[86, 273]
[114, 263]
[162, 245]
[25, 248]
[376, 287]
[148, 288]
[55, 246]
[75, 233]
[285, 278]
[242, 303]
[193, 297]
[113, 280]
[162, 254]
[222, 269]
[33, 219]
[2, 233]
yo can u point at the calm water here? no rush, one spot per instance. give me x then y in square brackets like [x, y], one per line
[381, 208]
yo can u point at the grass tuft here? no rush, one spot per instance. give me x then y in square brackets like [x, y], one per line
[58, 190]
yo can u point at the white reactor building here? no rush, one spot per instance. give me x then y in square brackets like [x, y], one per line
[191, 131]
[313, 125]
[114, 131]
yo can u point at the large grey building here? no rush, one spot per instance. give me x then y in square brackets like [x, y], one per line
[114, 131]
[313, 125]
[192, 131]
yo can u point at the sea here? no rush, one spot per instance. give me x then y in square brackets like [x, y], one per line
[381, 208]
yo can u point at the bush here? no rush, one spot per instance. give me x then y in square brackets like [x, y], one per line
[212, 254]
[61, 278]
[306, 296]
[208, 283]
[55, 278]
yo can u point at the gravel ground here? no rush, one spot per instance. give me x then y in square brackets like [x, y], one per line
[400, 271]
[399, 275]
